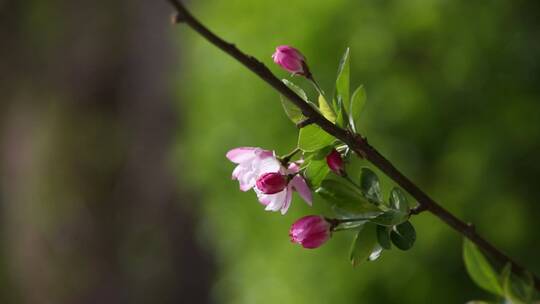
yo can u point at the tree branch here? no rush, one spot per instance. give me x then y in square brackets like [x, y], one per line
[356, 142]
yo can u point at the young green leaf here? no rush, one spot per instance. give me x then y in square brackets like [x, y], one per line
[403, 236]
[298, 90]
[358, 100]
[340, 119]
[345, 197]
[479, 269]
[383, 237]
[390, 218]
[369, 182]
[326, 109]
[313, 138]
[342, 82]
[292, 111]
[363, 244]
[398, 200]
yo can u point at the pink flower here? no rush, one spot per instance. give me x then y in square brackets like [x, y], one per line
[310, 231]
[282, 200]
[261, 170]
[252, 163]
[270, 183]
[335, 162]
[291, 60]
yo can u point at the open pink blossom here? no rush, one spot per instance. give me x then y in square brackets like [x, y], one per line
[252, 163]
[310, 231]
[291, 60]
[274, 184]
[281, 201]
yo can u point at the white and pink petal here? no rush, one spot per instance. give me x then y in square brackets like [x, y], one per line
[299, 184]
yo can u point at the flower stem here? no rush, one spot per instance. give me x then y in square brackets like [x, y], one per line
[287, 157]
[316, 85]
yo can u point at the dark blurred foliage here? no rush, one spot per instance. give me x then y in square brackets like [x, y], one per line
[114, 126]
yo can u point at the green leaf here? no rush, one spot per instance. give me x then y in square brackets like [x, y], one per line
[398, 200]
[313, 138]
[506, 283]
[363, 244]
[390, 218]
[316, 171]
[383, 237]
[292, 111]
[516, 290]
[375, 253]
[369, 182]
[479, 269]
[318, 154]
[298, 90]
[326, 109]
[340, 119]
[349, 225]
[358, 101]
[345, 197]
[403, 236]
[342, 82]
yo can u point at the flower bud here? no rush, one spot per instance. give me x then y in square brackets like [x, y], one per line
[335, 162]
[270, 183]
[291, 60]
[310, 231]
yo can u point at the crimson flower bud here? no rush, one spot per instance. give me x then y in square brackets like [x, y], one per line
[291, 60]
[270, 183]
[335, 162]
[310, 231]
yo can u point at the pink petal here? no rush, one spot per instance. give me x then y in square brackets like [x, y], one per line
[288, 199]
[237, 172]
[292, 64]
[316, 240]
[264, 198]
[247, 180]
[241, 154]
[277, 200]
[268, 165]
[246, 186]
[300, 185]
[293, 168]
[261, 153]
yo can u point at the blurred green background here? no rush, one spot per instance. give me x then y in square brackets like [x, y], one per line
[114, 126]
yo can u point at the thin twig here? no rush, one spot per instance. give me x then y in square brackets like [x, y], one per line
[304, 123]
[356, 142]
